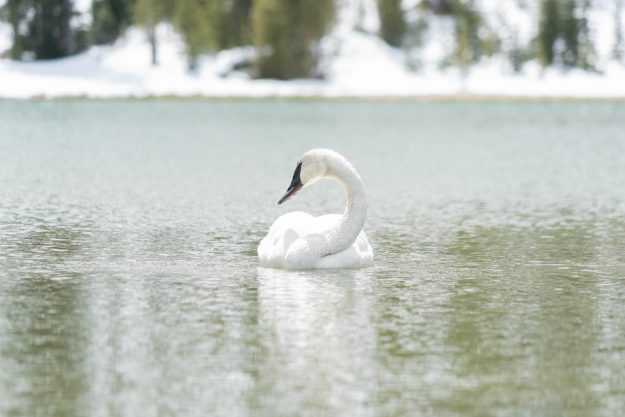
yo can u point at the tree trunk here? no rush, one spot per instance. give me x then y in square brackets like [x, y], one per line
[153, 43]
[151, 32]
[619, 48]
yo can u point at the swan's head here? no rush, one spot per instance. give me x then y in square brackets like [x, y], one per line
[312, 166]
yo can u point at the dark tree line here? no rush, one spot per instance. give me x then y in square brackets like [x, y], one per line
[110, 19]
[42, 29]
[287, 33]
[563, 35]
[562, 32]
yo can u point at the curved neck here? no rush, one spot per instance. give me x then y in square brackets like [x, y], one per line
[350, 224]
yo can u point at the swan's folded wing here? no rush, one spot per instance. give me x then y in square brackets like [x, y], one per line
[282, 233]
[298, 221]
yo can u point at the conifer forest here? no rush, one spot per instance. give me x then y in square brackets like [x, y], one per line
[286, 35]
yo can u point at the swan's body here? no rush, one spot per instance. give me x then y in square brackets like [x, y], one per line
[298, 240]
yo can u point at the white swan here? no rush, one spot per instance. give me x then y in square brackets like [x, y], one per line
[298, 240]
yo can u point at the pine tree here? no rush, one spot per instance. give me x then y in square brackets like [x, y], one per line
[441, 7]
[42, 30]
[198, 23]
[586, 54]
[235, 23]
[392, 22]
[14, 12]
[468, 23]
[548, 31]
[50, 29]
[563, 34]
[287, 34]
[569, 31]
[110, 18]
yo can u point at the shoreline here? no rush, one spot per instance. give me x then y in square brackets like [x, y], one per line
[329, 98]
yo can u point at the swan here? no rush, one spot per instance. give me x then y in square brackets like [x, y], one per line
[298, 240]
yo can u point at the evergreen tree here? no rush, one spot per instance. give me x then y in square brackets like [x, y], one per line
[392, 22]
[586, 55]
[468, 22]
[472, 39]
[14, 12]
[235, 23]
[548, 31]
[51, 34]
[197, 21]
[563, 33]
[437, 6]
[41, 28]
[287, 34]
[110, 18]
[569, 32]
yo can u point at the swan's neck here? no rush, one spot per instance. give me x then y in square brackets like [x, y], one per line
[350, 224]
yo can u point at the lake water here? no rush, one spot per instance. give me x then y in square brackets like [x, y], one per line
[129, 283]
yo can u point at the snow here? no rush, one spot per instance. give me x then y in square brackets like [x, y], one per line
[356, 63]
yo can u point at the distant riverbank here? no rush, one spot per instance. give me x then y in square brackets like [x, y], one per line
[366, 68]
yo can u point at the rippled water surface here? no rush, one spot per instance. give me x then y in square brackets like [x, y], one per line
[129, 284]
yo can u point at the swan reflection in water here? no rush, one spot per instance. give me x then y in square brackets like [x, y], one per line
[318, 340]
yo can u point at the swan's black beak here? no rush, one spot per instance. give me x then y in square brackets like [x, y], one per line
[296, 185]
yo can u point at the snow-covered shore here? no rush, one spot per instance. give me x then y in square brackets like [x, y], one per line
[356, 62]
[365, 67]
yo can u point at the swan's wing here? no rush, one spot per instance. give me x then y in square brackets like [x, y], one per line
[282, 233]
[298, 221]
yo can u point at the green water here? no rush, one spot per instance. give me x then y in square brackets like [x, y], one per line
[129, 284]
